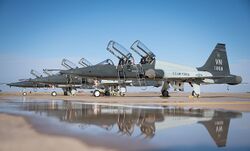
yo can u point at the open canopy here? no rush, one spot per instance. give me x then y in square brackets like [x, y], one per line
[48, 72]
[68, 64]
[118, 50]
[84, 62]
[124, 56]
[143, 51]
[35, 73]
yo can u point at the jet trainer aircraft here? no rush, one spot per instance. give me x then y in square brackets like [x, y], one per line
[214, 71]
[66, 82]
[27, 83]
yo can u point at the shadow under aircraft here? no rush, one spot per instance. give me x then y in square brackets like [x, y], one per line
[127, 119]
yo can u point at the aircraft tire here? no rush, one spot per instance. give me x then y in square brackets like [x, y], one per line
[53, 93]
[165, 93]
[24, 93]
[107, 93]
[122, 94]
[65, 93]
[96, 93]
[195, 94]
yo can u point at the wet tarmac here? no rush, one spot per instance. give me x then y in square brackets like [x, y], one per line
[137, 127]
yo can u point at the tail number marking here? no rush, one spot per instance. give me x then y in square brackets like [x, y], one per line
[218, 65]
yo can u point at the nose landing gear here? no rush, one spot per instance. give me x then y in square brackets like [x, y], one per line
[24, 93]
[53, 93]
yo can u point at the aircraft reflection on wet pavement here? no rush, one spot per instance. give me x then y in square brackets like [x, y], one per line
[128, 118]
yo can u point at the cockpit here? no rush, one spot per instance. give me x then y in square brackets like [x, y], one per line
[124, 56]
[147, 56]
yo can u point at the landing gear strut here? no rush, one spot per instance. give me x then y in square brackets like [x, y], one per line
[194, 94]
[69, 91]
[164, 90]
[196, 89]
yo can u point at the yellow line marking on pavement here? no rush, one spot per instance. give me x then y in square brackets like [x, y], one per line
[201, 103]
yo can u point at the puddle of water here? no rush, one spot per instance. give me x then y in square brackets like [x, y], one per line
[161, 128]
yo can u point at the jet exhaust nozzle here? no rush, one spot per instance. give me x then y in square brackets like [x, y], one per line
[236, 80]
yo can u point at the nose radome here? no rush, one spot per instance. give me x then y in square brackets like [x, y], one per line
[9, 84]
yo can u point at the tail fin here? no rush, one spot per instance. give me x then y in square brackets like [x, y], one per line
[217, 63]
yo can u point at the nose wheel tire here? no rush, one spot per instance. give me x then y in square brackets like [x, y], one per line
[53, 93]
[96, 93]
[24, 93]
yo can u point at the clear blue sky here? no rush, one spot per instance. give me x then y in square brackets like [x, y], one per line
[39, 33]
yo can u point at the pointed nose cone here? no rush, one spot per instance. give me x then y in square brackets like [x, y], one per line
[15, 84]
[9, 84]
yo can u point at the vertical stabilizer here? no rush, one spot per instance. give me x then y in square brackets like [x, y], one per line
[217, 63]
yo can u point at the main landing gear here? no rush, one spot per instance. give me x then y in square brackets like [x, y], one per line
[113, 90]
[194, 94]
[69, 91]
[196, 89]
[164, 90]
